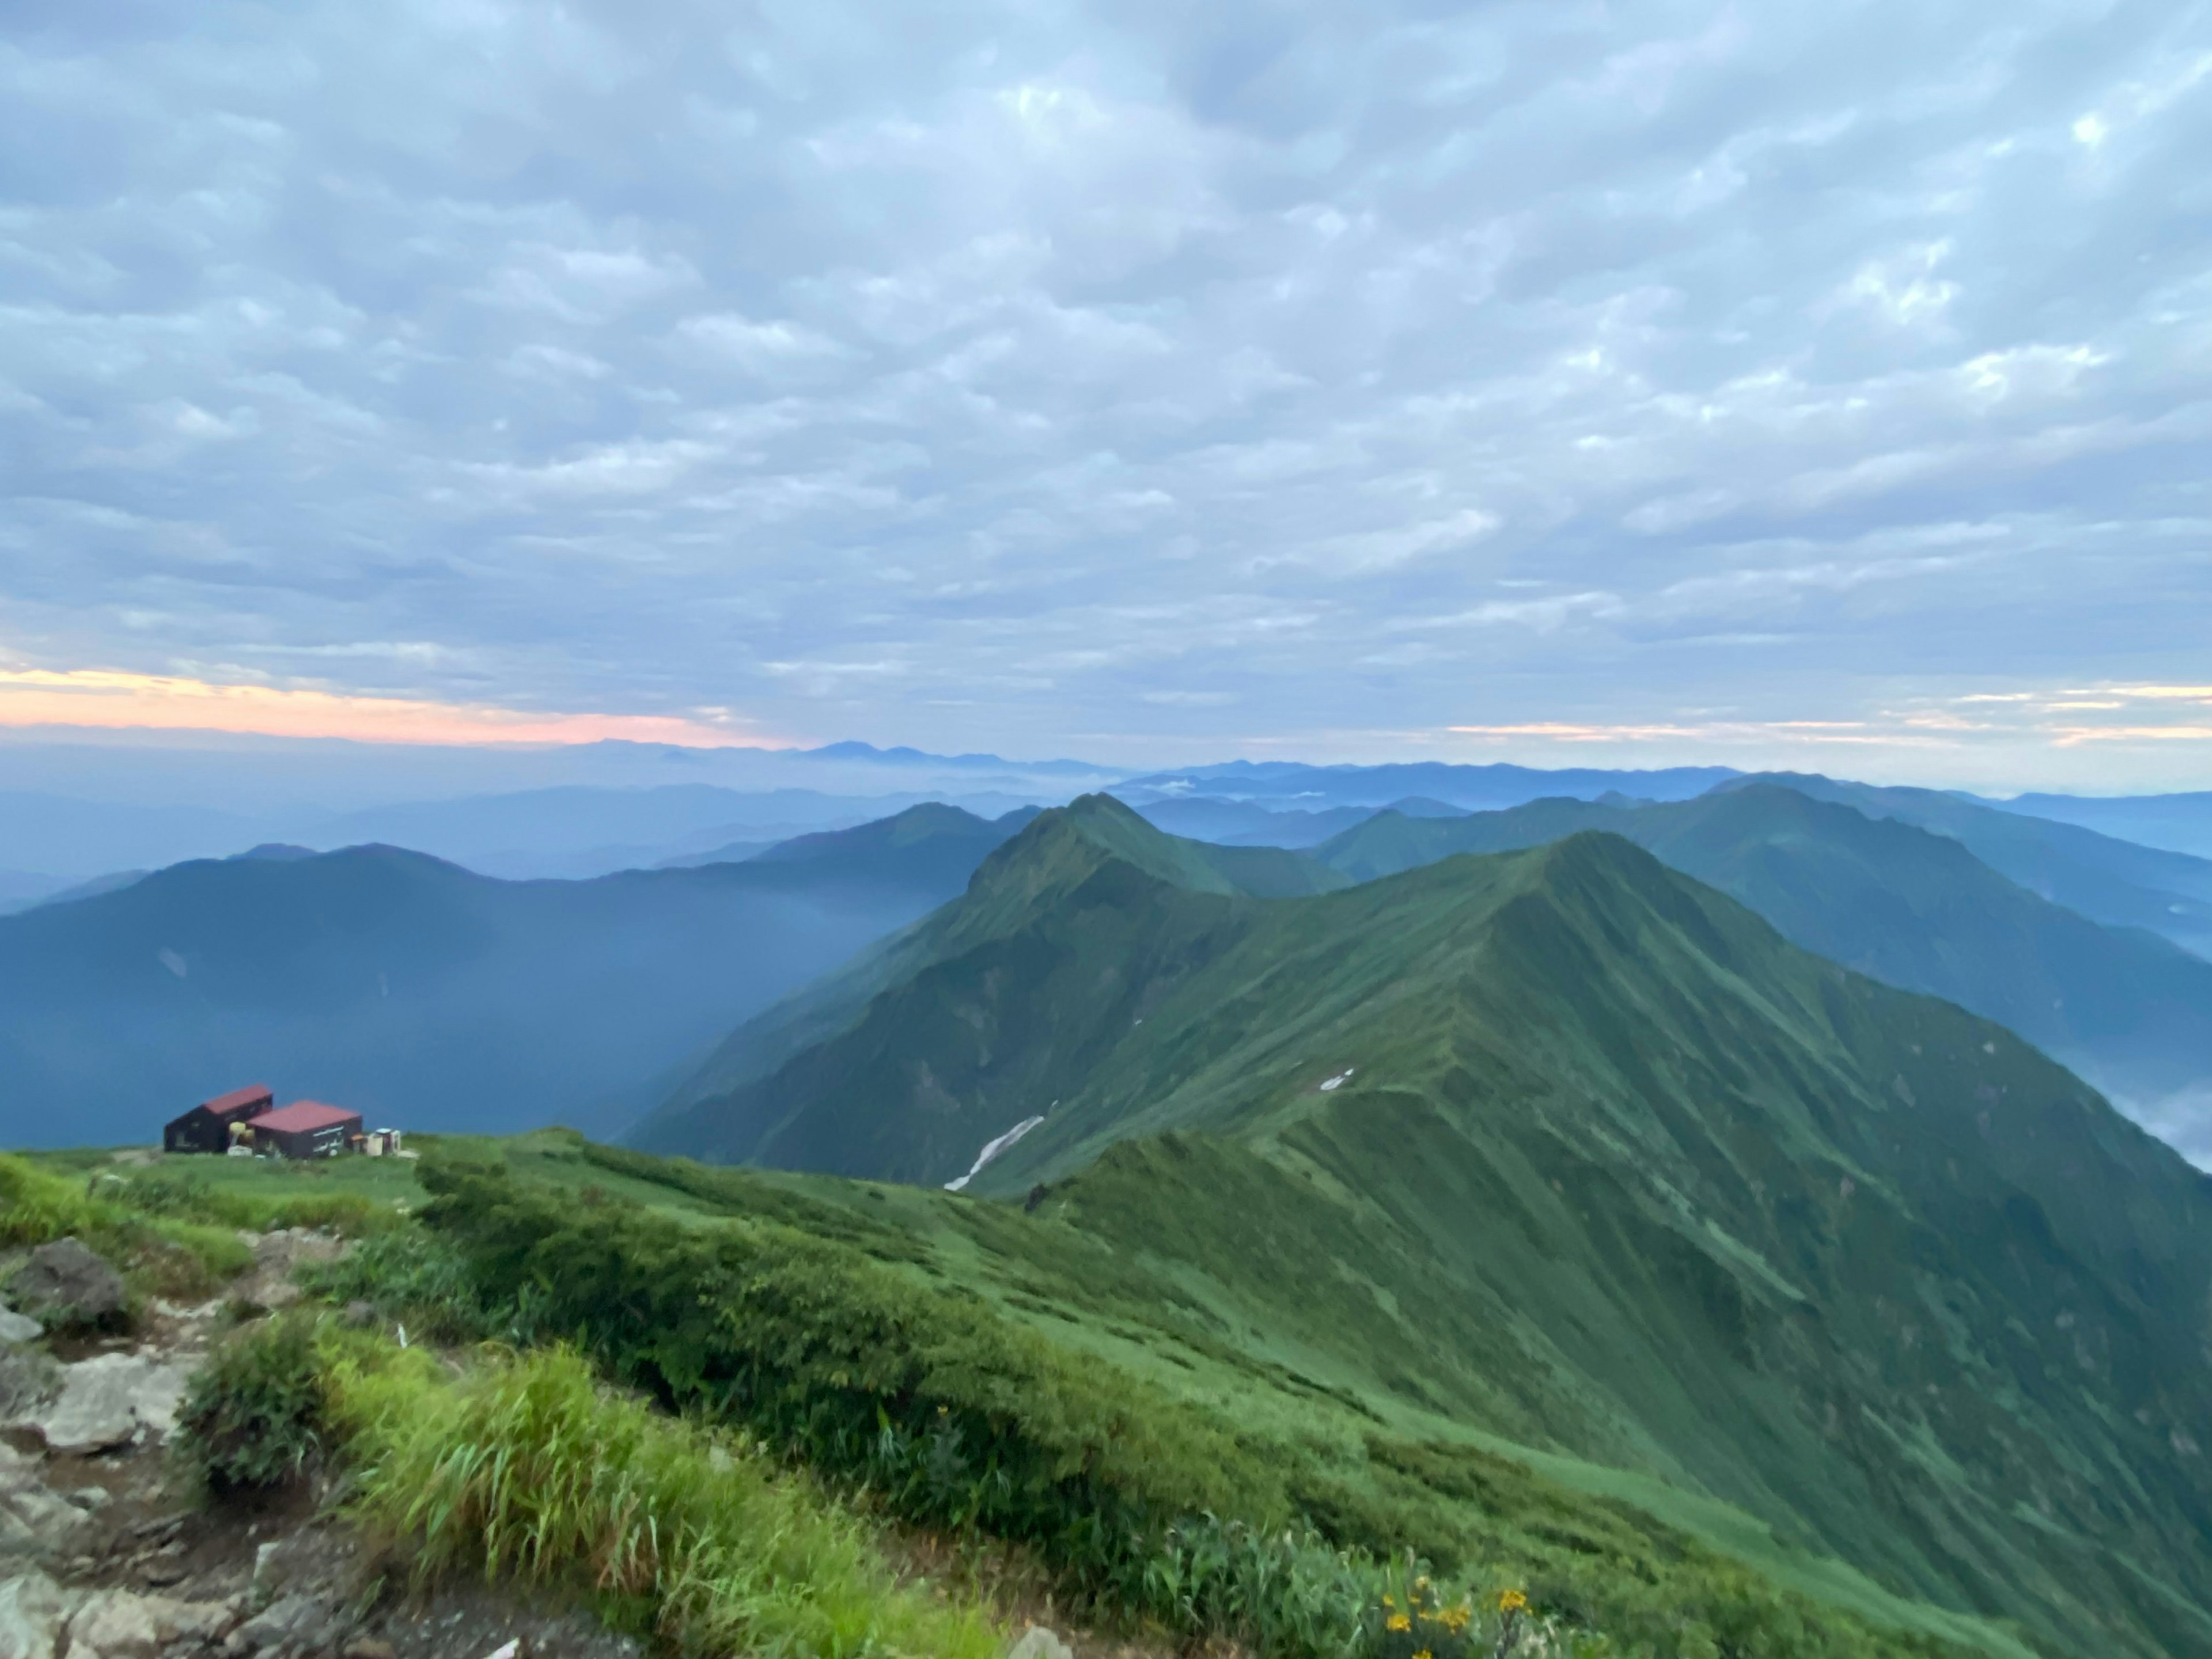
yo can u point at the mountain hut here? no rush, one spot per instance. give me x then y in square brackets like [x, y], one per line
[207, 1127]
[305, 1128]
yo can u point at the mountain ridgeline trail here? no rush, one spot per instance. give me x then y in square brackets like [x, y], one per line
[1561, 1151]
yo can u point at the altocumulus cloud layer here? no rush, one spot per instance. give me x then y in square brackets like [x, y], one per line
[1733, 379]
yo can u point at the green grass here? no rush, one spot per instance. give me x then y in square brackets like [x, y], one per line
[159, 1255]
[171, 1223]
[526, 1469]
[1006, 1374]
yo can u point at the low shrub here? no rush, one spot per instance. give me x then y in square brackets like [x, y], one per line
[420, 1279]
[254, 1415]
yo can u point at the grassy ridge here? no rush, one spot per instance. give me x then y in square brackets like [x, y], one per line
[1909, 906]
[1604, 1168]
[872, 1347]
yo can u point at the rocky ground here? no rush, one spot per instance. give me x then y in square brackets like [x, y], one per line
[102, 1556]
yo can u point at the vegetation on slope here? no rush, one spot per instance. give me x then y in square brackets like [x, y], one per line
[525, 1467]
[2118, 883]
[1908, 906]
[859, 1328]
[160, 1254]
[1603, 1169]
[1109, 890]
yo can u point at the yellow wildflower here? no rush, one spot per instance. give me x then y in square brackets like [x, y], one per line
[1512, 1601]
[1397, 1621]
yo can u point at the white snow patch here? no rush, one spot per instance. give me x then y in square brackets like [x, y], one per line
[1337, 1082]
[990, 1150]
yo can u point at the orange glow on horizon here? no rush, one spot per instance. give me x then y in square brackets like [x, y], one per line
[112, 700]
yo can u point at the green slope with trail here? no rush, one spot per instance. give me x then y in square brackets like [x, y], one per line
[1563, 1150]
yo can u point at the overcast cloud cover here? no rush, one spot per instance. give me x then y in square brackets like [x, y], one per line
[1139, 380]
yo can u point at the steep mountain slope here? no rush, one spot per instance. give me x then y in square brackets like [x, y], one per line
[1905, 905]
[2116, 882]
[422, 994]
[1006, 933]
[1572, 1151]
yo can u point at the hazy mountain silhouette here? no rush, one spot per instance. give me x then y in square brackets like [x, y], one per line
[424, 994]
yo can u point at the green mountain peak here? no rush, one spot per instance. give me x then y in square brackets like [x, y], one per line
[1562, 1147]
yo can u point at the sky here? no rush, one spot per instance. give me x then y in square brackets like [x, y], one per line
[1570, 384]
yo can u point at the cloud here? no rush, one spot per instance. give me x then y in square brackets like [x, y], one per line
[91, 697]
[994, 376]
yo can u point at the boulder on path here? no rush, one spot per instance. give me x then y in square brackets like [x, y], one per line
[28, 1378]
[35, 1521]
[16, 1328]
[120, 1624]
[104, 1401]
[1039, 1643]
[65, 1284]
[290, 1624]
[33, 1612]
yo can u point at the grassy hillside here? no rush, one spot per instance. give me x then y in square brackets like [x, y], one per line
[2113, 881]
[1604, 1168]
[1032, 1377]
[1144, 903]
[1908, 906]
[426, 995]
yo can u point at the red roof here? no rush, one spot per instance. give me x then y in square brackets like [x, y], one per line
[252, 1095]
[302, 1115]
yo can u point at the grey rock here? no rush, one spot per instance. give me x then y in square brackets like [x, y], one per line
[120, 1624]
[28, 1378]
[34, 1611]
[359, 1312]
[34, 1523]
[18, 1327]
[106, 1401]
[289, 1621]
[1038, 1643]
[63, 1282]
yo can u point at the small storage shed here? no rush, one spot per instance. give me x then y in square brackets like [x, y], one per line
[206, 1128]
[305, 1128]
